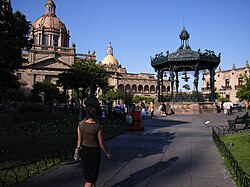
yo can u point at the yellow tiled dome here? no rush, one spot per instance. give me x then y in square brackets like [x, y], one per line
[110, 59]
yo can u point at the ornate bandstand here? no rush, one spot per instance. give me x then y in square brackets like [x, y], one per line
[183, 61]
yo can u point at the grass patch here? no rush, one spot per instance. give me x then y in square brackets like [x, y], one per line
[239, 145]
[31, 136]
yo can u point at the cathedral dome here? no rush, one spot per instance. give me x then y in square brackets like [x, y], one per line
[51, 22]
[49, 19]
[110, 59]
[49, 30]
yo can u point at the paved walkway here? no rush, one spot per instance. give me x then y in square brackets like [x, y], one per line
[175, 151]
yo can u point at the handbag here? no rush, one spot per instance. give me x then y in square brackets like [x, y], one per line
[77, 153]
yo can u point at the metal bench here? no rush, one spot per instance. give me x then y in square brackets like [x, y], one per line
[239, 120]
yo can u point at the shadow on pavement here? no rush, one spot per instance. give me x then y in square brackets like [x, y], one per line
[162, 122]
[139, 176]
[133, 146]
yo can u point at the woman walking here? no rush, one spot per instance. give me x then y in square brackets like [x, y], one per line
[90, 140]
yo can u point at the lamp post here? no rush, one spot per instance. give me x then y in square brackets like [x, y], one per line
[91, 101]
[222, 91]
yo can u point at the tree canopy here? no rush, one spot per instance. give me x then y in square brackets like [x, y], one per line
[137, 99]
[47, 89]
[244, 91]
[14, 29]
[80, 77]
[112, 95]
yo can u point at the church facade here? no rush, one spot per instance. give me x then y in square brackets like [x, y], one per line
[51, 55]
[228, 82]
[142, 84]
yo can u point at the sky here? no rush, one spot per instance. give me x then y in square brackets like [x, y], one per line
[139, 29]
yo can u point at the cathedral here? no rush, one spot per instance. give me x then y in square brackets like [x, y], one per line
[228, 82]
[142, 84]
[51, 55]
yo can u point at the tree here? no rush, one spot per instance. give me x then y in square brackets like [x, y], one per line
[137, 99]
[244, 91]
[47, 89]
[81, 75]
[128, 99]
[84, 77]
[112, 95]
[14, 29]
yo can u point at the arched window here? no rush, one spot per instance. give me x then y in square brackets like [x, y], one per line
[157, 87]
[164, 88]
[45, 40]
[134, 88]
[146, 88]
[104, 91]
[55, 42]
[140, 88]
[168, 89]
[152, 89]
[121, 87]
[66, 42]
[127, 88]
[36, 40]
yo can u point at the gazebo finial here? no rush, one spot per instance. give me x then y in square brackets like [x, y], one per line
[234, 67]
[247, 65]
[219, 70]
[184, 36]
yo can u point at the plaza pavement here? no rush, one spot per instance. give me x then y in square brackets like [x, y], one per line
[174, 151]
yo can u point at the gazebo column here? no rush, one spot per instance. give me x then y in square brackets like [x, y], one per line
[177, 82]
[159, 85]
[196, 80]
[212, 91]
[162, 72]
[172, 82]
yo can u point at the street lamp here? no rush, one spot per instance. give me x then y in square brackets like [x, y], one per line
[222, 91]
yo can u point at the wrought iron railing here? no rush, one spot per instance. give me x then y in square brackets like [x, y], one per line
[241, 178]
[21, 172]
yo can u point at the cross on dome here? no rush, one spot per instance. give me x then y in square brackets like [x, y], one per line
[110, 49]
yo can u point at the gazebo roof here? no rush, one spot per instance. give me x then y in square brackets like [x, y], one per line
[185, 58]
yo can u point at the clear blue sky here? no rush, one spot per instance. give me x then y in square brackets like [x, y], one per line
[139, 29]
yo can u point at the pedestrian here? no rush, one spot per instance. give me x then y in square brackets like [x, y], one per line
[143, 112]
[163, 109]
[103, 115]
[89, 141]
[240, 105]
[231, 107]
[225, 107]
[151, 109]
